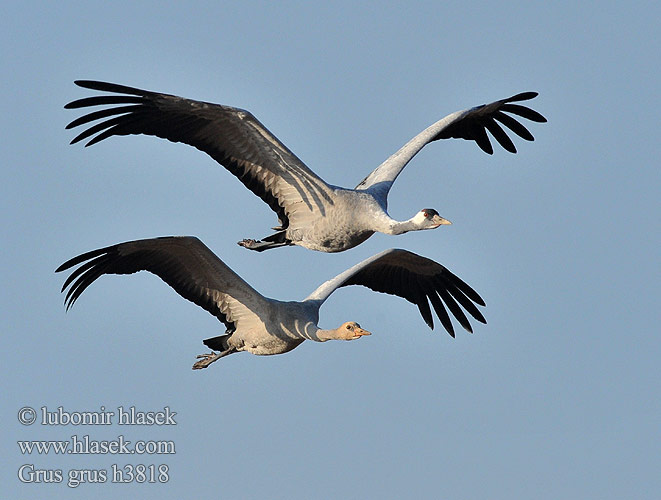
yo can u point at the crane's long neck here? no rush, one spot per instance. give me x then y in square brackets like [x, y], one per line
[347, 331]
[424, 219]
[324, 335]
[401, 227]
[388, 225]
[321, 335]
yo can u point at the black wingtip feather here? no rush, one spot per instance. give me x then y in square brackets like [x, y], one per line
[467, 304]
[111, 87]
[83, 257]
[513, 125]
[441, 312]
[455, 310]
[425, 311]
[102, 100]
[464, 287]
[103, 113]
[482, 139]
[523, 96]
[523, 111]
[500, 135]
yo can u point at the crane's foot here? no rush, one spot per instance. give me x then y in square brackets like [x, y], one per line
[206, 359]
[261, 245]
[276, 240]
[248, 243]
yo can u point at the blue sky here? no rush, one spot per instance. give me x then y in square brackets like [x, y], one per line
[556, 397]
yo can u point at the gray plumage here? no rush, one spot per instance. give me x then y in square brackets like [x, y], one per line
[265, 326]
[312, 213]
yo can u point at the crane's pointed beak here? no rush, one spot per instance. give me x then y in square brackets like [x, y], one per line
[359, 332]
[440, 221]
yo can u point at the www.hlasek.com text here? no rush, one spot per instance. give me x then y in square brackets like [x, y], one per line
[84, 445]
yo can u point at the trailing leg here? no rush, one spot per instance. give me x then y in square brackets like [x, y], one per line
[276, 240]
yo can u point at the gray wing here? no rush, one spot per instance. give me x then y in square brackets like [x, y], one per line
[184, 263]
[414, 278]
[470, 124]
[231, 136]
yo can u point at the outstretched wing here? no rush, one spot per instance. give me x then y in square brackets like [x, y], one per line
[416, 279]
[231, 136]
[470, 124]
[184, 263]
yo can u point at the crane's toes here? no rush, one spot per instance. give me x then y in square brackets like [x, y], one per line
[205, 360]
[247, 243]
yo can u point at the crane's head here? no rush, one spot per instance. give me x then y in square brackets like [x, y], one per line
[350, 331]
[428, 218]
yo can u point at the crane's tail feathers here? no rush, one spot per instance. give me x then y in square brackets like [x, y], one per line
[218, 343]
